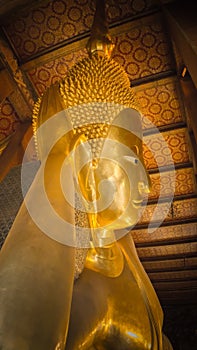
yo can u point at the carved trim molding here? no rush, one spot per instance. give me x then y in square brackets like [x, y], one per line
[21, 91]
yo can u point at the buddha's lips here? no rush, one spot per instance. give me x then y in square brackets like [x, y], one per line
[137, 203]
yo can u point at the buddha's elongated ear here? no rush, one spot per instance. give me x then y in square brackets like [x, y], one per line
[126, 129]
[130, 120]
[81, 158]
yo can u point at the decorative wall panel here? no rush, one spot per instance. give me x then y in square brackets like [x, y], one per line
[8, 119]
[128, 53]
[164, 212]
[192, 262]
[168, 183]
[185, 208]
[45, 75]
[166, 148]
[174, 275]
[119, 9]
[59, 20]
[182, 249]
[181, 209]
[49, 25]
[10, 200]
[160, 103]
[143, 51]
[165, 233]
[176, 286]
[162, 265]
[11, 195]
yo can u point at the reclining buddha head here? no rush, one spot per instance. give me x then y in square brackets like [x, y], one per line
[105, 137]
[113, 181]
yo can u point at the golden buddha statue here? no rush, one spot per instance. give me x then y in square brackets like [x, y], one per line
[84, 287]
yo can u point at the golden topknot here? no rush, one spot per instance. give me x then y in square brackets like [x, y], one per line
[96, 79]
[89, 85]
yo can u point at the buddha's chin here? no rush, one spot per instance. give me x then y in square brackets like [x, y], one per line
[128, 219]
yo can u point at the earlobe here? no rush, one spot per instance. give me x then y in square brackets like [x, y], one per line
[130, 120]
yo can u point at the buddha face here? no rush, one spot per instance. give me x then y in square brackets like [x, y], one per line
[109, 174]
[115, 183]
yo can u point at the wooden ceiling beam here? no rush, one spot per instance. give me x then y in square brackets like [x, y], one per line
[181, 20]
[166, 257]
[186, 297]
[175, 286]
[167, 241]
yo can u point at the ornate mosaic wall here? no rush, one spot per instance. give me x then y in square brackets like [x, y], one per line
[163, 233]
[8, 119]
[170, 147]
[143, 50]
[160, 98]
[167, 251]
[179, 210]
[170, 265]
[60, 20]
[180, 182]
[11, 196]
[55, 70]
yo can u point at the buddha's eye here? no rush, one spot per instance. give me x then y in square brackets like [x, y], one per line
[131, 159]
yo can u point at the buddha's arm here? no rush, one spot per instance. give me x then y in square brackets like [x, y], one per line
[36, 282]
